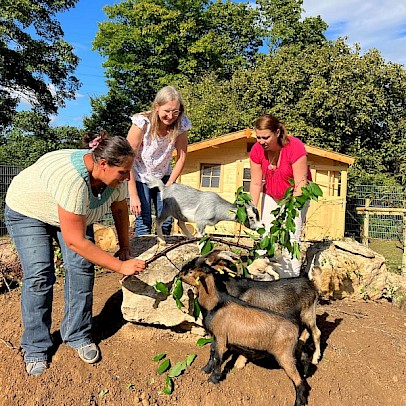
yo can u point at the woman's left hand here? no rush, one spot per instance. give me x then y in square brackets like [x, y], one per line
[123, 254]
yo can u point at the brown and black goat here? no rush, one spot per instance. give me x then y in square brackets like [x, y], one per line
[237, 326]
[294, 297]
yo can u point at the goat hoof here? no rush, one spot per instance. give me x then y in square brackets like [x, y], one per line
[161, 242]
[214, 379]
[207, 369]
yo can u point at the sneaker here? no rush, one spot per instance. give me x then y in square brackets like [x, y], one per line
[36, 367]
[89, 353]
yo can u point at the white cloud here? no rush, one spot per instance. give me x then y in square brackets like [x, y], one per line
[379, 24]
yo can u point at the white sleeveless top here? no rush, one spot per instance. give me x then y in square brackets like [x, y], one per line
[154, 154]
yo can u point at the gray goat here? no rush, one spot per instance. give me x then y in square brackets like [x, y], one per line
[185, 203]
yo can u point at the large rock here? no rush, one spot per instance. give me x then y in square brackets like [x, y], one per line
[142, 303]
[348, 269]
[105, 237]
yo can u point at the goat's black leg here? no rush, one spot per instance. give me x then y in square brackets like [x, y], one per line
[215, 377]
[302, 393]
[287, 362]
[209, 366]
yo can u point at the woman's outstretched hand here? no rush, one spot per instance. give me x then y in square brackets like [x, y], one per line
[132, 267]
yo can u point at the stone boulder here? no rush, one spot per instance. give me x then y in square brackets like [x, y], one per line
[348, 269]
[105, 237]
[143, 304]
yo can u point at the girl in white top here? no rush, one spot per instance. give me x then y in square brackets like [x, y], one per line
[154, 135]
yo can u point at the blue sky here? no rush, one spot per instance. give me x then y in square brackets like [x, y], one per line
[379, 24]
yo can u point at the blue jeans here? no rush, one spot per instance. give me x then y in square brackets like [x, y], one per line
[33, 241]
[143, 222]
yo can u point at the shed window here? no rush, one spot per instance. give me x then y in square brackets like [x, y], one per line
[246, 180]
[210, 175]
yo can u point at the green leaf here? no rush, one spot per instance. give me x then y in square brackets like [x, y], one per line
[296, 250]
[178, 289]
[203, 341]
[164, 366]
[241, 215]
[271, 251]
[207, 247]
[315, 189]
[159, 357]
[261, 231]
[190, 358]
[177, 369]
[247, 197]
[179, 304]
[168, 388]
[264, 243]
[161, 287]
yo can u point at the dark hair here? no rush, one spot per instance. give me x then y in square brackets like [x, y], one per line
[113, 149]
[272, 123]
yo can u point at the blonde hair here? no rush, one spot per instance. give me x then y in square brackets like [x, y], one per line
[270, 122]
[166, 95]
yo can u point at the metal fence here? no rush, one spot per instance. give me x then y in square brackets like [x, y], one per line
[387, 227]
[384, 227]
[7, 173]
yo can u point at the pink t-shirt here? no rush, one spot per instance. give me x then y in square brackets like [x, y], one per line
[277, 180]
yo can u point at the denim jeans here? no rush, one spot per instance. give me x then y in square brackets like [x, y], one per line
[143, 222]
[33, 240]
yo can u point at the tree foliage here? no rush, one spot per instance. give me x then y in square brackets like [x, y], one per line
[30, 136]
[149, 44]
[36, 64]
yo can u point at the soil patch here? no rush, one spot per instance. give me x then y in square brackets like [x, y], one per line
[363, 360]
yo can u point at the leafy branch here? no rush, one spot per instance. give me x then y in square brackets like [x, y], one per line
[283, 225]
[173, 372]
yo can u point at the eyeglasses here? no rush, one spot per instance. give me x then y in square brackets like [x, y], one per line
[175, 113]
[263, 138]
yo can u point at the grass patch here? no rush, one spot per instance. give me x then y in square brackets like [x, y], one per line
[391, 250]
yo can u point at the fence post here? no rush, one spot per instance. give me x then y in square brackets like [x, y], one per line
[365, 231]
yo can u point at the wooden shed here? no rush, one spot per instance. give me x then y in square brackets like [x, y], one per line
[222, 165]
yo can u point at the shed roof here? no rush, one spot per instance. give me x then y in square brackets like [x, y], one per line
[248, 133]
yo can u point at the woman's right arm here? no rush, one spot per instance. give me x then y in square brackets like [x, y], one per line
[135, 136]
[73, 227]
[256, 181]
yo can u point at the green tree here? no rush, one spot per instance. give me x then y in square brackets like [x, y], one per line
[284, 24]
[111, 113]
[29, 136]
[336, 98]
[152, 43]
[36, 64]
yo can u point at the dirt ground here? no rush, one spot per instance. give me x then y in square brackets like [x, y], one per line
[363, 360]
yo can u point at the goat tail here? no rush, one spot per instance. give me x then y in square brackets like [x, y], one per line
[315, 277]
[156, 182]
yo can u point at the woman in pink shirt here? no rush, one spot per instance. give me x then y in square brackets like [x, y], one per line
[276, 159]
